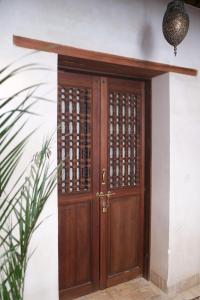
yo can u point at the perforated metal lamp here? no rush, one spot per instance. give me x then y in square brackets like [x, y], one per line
[175, 23]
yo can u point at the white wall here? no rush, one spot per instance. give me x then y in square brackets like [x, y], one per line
[160, 175]
[175, 235]
[129, 28]
[42, 273]
[184, 259]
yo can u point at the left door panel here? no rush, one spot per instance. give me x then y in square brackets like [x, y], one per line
[78, 183]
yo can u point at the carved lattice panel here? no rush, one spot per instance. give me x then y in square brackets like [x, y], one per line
[123, 140]
[74, 148]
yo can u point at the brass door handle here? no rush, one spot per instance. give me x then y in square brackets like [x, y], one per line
[109, 194]
[103, 182]
[104, 206]
[100, 195]
[105, 200]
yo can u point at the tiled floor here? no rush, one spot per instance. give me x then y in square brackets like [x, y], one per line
[139, 289]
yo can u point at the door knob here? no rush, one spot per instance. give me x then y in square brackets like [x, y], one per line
[100, 195]
[105, 202]
[109, 194]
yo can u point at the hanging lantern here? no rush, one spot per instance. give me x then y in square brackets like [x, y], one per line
[175, 23]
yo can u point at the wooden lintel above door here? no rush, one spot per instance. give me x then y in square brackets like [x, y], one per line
[79, 59]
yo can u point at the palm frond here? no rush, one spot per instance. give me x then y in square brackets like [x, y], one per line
[22, 203]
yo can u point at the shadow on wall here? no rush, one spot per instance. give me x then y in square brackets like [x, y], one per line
[146, 40]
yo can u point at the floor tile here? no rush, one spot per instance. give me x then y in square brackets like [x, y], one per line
[139, 289]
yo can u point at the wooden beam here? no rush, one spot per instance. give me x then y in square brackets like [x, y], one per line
[147, 68]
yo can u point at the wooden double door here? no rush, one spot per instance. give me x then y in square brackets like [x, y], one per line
[101, 182]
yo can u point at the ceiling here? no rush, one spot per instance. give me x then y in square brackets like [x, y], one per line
[193, 2]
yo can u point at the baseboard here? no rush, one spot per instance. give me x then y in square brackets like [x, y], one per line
[158, 281]
[178, 287]
[184, 285]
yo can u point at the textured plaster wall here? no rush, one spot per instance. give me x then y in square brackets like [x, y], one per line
[184, 243]
[160, 175]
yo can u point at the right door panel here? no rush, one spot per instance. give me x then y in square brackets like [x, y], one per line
[122, 155]
[124, 235]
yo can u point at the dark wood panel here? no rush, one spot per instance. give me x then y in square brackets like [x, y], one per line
[147, 180]
[77, 80]
[122, 156]
[124, 234]
[123, 276]
[96, 179]
[121, 66]
[75, 232]
[103, 187]
[121, 229]
[125, 85]
[91, 60]
[78, 153]
[75, 292]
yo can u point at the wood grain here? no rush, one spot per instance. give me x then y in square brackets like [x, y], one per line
[102, 62]
[75, 244]
[124, 234]
[125, 218]
[96, 249]
[78, 207]
[104, 188]
[147, 179]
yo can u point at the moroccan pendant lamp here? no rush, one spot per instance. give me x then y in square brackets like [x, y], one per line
[175, 23]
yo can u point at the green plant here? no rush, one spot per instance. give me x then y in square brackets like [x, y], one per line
[22, 203]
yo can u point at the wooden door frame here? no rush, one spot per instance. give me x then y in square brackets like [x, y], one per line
[91, 59]
[65, 65]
